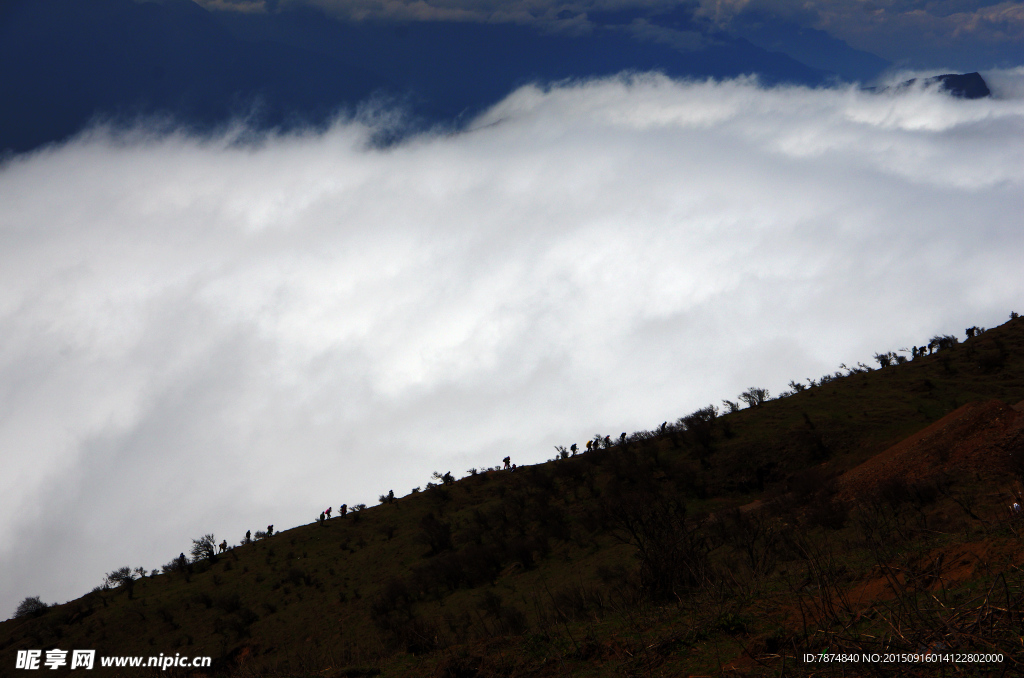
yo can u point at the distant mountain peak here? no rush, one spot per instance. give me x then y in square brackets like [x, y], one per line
[959, 85]
[963, 86]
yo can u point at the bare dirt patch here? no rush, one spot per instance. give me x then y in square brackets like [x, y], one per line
[976, 438]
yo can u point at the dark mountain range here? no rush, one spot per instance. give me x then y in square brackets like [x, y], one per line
[815, 48]
[457, 68]
[64, 63]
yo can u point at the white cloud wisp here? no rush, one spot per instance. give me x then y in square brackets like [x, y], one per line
[202, 335]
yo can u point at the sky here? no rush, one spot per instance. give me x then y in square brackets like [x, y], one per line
[211, 334]
[950, 34]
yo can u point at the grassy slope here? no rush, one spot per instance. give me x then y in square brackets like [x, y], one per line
[538, 579]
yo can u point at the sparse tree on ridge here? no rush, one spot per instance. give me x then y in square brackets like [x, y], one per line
[942, 342]
[123, 577]
[699, 427]
[754, 396]
[31, 606]
[204, 548]
[446, 479]
[885, 359]
[179, 564]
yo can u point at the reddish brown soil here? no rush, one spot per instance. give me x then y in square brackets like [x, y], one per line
[948, 566]
[976, 438]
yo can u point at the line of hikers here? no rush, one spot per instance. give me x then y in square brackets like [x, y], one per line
[508, 465]
[326, 515]
[574, 448]
[596, 442]
[248, 536]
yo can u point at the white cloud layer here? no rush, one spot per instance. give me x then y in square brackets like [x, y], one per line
[202, 335]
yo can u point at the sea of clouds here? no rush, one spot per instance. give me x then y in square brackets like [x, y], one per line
[210, 334]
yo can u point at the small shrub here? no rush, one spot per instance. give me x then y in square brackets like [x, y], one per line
[230, 603]
[507, 618]
[122, 577]
[732, 624]
[885, 359]
[204, 548]
[824, 512]
[446, 479]
[179, 564]
[942, 342]
[436, 534]
[754, 396]
[32, 606]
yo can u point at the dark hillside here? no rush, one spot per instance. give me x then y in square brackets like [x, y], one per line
[720, 543]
